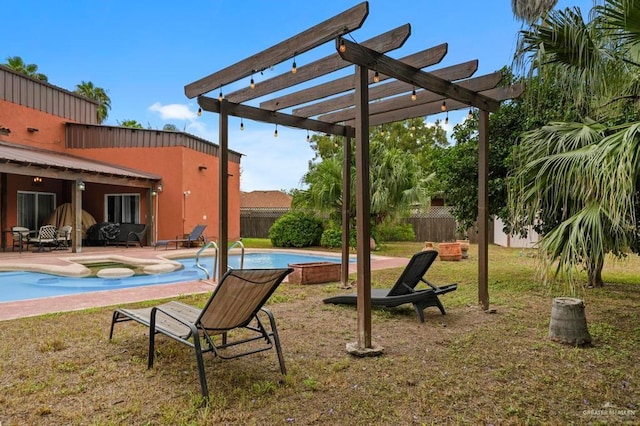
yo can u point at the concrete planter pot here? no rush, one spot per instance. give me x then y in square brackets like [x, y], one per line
[314, 272]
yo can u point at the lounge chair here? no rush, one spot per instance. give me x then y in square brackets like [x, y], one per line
[235, 304]
[195, 235]
[404, 291]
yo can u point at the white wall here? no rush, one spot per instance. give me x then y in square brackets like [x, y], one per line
[502, 239]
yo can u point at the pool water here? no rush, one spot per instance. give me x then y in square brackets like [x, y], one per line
[34, 285]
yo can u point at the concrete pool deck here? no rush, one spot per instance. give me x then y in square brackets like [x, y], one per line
[56, 260]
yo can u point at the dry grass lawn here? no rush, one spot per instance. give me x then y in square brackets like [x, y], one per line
[467, 367]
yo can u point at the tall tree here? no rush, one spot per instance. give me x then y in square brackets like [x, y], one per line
[531, 10]
[133, 124]
[398, 179]
[579, 181]
[17, 64]
[98, 94]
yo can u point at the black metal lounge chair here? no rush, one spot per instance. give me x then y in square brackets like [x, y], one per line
[235, 303]
[404, 291]
[195, 235]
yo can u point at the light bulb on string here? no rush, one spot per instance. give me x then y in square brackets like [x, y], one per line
[443, 107]
[199, 112]
[220, 97]
[376, 77]
[413, 95]
[470, 115]
[308, 137]
[241, 125]
[446, 120]
[275, 134]
[252, 84]
[343, 47]
[294, 67]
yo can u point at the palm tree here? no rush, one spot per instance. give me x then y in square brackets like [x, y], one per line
[17, 64]
[98, 94]
[579, 182]
[530, 11]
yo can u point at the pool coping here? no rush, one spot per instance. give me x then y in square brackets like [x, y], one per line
[96, 299]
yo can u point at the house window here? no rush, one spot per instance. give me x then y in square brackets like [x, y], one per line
[122, 208]
[34, 208]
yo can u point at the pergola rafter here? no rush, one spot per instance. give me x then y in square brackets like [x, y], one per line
[350, 115]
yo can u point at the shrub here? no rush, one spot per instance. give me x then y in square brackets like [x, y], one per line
[296, 229]
[396, 232]
[332, 238]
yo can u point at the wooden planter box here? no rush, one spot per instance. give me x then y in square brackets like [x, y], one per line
[314, 272]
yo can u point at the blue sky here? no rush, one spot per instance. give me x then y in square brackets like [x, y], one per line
[144, 53]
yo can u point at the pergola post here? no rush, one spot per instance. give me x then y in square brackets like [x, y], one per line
[223, 189]
[346, 210]
[363, 212]
[76, 203]
[483, 209]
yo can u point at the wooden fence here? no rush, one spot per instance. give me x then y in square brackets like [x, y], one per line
[435, 225]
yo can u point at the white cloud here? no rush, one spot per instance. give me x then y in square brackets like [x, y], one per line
[173, 111]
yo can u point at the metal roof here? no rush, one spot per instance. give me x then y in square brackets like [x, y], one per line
[28, 156]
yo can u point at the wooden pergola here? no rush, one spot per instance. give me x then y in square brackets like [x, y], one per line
[348, 107]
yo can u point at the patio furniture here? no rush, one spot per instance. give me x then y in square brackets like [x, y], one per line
[20, 236]
[47, 237]
[136, 234]
[64, 237]
[195, 235]
[236, 303]
[404, 289]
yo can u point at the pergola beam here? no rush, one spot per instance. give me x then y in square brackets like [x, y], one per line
[478, 84]
[363, 56]
[382, 43]
[497, 94]
[343, 23]
[421, 59]
[454, 72]
[274, 117]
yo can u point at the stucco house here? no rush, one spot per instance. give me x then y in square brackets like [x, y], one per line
[53, 151]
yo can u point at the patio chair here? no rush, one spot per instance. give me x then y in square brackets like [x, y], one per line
[20, 236]
[64, 236]
[404, 291]
[47, 237]
[235, 303]
[195, 235]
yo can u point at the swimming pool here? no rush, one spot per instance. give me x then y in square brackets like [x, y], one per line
[20, 285]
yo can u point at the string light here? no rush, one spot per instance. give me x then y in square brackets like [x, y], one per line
[252, 84]
[275, 134]
[294, 67]
[446, 120]
[241, 124]
[199, 112]
[443, 107]
[220, 97]
[308, 137]
[376, 77]
[470, 115]
[343, 47]
[413, 95]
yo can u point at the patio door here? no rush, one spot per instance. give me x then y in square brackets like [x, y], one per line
[122, 208]
[34, 208]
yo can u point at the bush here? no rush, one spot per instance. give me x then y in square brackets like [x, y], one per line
[296, 229]
[396, 232]
[332, 238]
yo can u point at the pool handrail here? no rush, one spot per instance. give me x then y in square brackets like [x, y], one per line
[210, 244]
[239, 243]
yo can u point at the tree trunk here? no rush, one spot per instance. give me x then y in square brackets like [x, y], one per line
[568, 322]
[594, 272]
